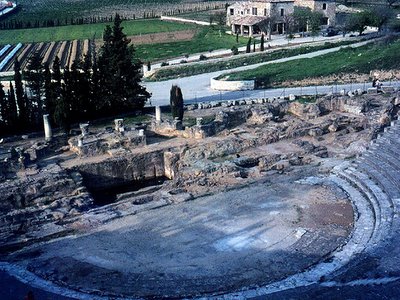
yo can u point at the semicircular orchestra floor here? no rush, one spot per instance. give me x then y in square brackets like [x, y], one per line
[215, 244]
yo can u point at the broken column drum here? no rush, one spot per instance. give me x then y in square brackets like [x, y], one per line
[158, 113]
[84, 129]
[119, 125]
[47, 128]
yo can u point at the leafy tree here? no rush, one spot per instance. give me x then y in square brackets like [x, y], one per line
[267, 25]
[359, 21]
[315, 23]
[176, 102]
[379, 16]
[289, 27]
[302, 16]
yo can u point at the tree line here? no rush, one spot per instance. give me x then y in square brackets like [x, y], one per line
[95, 86]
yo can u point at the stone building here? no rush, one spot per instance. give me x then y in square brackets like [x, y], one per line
[326, 7]
[245, 18]
[270, 16]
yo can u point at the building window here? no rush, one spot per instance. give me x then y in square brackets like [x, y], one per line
[324, 6]
[247, 11]
[265, 12]
[254, 11]
[282, 12]
[241, 12]
[232, 11]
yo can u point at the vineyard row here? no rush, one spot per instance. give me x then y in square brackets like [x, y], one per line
[66, 51]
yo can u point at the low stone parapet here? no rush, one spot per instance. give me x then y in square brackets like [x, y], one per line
[225, 85]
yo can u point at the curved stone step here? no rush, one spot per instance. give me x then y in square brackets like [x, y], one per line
[378, 201]
[380, 169]
[387, 164]
[380, 177]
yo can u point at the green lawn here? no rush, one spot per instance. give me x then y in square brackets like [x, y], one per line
[208, 39]
[381, 55]
[212, 66]
[87, 31]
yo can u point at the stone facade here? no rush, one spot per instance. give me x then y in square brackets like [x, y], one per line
[326, 7]
[247, 18]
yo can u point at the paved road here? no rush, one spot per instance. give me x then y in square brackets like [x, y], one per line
[197, 88]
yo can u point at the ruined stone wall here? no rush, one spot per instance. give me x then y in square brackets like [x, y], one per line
[119, 170]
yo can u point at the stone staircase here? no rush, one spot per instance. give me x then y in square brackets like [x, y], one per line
[375, 176]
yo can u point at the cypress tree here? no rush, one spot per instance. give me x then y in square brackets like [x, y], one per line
[120, 71]
[248, 47]
[49, 92]
[12, 117]
[3, 110]
[35, 81]
[176, 102]
[262, 43]
[19, 93]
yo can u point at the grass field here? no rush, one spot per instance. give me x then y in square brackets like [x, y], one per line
[208, 39]
[381, 56]
[260, 57]
[87, 31]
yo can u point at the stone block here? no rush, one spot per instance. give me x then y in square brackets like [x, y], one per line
[387, 89]
[315, 132]
[292, 97]
[373, 90]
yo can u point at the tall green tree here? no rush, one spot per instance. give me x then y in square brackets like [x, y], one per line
[262, 45]
[176, 102]
[248, 46]
[3, 110]
[120, 71]
[12, 116]
[34, 76]
[23, 105]
[48, 91]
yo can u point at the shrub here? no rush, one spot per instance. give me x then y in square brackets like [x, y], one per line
[235, 50]
[202, 57]
[164, 64]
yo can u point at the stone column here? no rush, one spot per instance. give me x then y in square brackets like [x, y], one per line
[47, 128]
[119, 125]
[158, 114]
[199, 121]
[250, 30]
[241, 29]
[84, 128]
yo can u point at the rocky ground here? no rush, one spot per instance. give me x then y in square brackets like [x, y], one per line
[233, 213]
